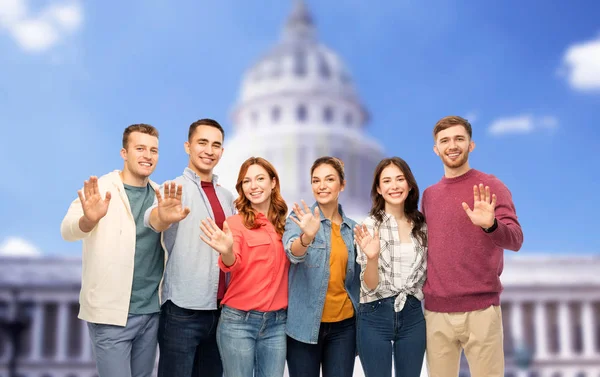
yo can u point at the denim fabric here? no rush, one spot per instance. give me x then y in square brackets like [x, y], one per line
[309, 277]
[191, 277]
[187, 341]
[383, 333]
[128, 351]
[252, 343]
[335, 351]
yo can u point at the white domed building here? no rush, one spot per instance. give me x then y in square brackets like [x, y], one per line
[296, 104]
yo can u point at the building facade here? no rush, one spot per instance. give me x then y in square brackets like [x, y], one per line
[550, 310]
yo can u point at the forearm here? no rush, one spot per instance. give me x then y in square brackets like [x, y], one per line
[371, 274]
[297, 248]
[228, 259]
[156, 223]
[86, 225]
[508, 235]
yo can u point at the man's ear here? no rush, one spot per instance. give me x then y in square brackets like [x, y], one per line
[124, 154]
[471, 146]
[186, 147]
[435, 150]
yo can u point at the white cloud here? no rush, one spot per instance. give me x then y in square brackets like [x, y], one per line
[34, 35]
[67, 16]
[581, 65]
[522, 124]
[39, 32]
[18, 247]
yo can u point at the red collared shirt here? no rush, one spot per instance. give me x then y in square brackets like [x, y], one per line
[259, 275]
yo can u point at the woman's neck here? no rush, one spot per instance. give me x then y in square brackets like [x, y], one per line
[330, 211]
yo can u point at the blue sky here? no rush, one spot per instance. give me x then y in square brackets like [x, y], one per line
[73, 74]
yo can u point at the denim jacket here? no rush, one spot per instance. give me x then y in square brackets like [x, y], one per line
[309, 277]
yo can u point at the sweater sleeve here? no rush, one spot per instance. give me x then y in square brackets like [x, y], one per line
[69, 228]
[509, 234]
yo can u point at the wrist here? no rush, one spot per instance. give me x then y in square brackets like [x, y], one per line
[302, 241]
[491, 228]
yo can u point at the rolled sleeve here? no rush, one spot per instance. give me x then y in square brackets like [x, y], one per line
[69, 228]
[237, 251]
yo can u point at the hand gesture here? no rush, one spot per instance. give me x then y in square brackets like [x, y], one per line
[308, 221]
[220, 240]
[94, 207]
[368, 244]
[484, 204]
[170, 209]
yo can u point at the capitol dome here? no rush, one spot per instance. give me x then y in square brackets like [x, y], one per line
[298, 103]
[298, 63]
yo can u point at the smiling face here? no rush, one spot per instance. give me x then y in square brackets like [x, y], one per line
[140, 156]
[393, 186]
[257, 187]
[326, 184]
[453, 145]
[205, 148]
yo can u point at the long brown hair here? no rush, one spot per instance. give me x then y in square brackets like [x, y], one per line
[277, 209]
[410, 204]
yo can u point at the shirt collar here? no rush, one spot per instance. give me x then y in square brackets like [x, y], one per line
[187, 172]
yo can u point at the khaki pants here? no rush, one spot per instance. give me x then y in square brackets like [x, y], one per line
[478, 332]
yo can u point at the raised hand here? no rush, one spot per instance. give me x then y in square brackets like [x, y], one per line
[170, 209]
[368, 244]
[484, 205]
[308, 221]
[220, 240]
[94, 207]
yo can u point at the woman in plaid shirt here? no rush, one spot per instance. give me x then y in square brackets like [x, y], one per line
[392, 254]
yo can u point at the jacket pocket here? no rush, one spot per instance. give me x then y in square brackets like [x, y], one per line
[315, 254]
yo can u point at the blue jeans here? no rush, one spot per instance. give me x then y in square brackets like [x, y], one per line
[383, 332]
[335, 350]
[252, 343]
[188, 343]
[128, 351]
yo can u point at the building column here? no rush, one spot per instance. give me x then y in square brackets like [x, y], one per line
[588, 327]
[62, 331]
[565, 330]
[516, 324]
[37, 331]
[86, 343]
[541, 331]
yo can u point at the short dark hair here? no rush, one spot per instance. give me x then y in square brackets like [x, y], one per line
[205, 122]
[451, 121]
[334, 162]
[140, 127]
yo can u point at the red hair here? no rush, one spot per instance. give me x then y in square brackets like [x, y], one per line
[277, 210]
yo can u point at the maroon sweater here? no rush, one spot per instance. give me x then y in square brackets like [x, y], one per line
[464, 263]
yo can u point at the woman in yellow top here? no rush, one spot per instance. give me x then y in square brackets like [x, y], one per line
[323, 279]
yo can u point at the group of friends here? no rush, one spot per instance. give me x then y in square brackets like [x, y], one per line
[237, 286]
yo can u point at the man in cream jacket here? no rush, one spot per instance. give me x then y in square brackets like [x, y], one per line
[123, 260]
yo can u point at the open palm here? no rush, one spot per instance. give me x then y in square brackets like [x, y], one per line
[368, 244]
[220, 240]
[170, 207]
[484, 205]
[309, 222]
[94, 206]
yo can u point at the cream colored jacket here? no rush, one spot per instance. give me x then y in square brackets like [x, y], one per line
[108, 255]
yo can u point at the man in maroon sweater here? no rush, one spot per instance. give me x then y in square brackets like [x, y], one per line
[471, 219]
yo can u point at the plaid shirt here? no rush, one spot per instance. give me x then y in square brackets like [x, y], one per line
[391, 281]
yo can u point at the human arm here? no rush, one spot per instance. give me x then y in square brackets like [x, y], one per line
[169, 209]
[86, 211]
[495, 214]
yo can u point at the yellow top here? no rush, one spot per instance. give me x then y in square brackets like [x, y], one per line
[337, 302]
